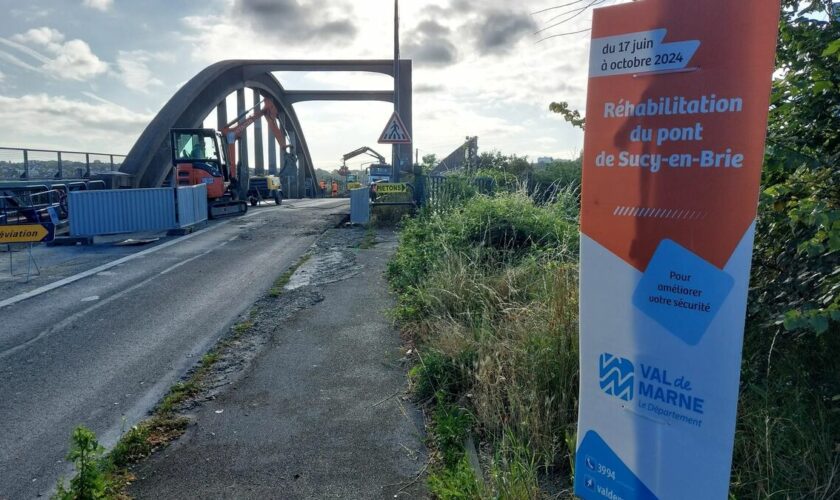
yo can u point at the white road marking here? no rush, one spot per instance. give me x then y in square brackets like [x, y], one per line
[74, 317]
[92, 298]
[104, 267]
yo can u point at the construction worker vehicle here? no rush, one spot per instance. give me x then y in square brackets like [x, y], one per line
[378, 166]
[197, 158]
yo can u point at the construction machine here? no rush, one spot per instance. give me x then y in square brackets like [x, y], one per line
[264, 187]
[374, 167]
[198, 158]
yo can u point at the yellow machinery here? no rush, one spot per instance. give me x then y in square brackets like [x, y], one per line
[264, 188]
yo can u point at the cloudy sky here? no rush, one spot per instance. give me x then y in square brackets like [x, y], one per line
[90, 74]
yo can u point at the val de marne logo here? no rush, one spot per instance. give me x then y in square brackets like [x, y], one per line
[616, 376]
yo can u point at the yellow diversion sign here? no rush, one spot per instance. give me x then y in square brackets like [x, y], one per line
[26, 233]
[391, 187]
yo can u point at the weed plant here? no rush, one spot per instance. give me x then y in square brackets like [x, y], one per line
[85, 454]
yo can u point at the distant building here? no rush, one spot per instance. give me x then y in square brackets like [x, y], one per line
[542, 161]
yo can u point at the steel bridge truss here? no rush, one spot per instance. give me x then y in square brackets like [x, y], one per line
[149, 161]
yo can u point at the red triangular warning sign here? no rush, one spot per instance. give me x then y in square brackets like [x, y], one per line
[395, 132]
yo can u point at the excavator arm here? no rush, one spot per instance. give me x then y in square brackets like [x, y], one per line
[363, 150]
[234, 130]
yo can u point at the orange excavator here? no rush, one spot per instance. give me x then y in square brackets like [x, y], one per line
[198, 159]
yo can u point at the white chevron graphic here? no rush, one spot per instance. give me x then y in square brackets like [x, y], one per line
[616, 376]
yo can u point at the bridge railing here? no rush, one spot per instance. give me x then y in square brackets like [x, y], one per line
[27, 164]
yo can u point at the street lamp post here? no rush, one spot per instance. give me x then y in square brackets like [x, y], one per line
[395, 149]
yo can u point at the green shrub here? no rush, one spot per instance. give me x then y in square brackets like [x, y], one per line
[565, 172]
[513, 223]
[492, 231]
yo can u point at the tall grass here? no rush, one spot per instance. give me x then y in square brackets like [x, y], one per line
[516, 325]
[488, 292]
[787, 442]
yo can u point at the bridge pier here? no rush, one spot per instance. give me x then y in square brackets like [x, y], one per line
[243, 141]
[272, 152]
[221, 116]
[259, 158]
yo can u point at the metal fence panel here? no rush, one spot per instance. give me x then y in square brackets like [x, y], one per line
[192, 205]
[115, 211]
[100, 163]
[21, 163]
[42, 164]
[359, 206]
[11, 163]
[73, 165]
[446, 192]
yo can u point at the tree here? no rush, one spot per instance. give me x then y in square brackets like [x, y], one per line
[429, 162]
[511, 165]
[570, 115]
[804, 123]
[797, 247]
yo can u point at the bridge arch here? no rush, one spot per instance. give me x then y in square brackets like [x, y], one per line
[149, 160]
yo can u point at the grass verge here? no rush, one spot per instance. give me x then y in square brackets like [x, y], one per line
[487, 295]
[164, 426]
[488, 298]
[102, 475]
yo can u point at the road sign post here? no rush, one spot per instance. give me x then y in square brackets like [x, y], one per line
[676, 119]
[391, 188]
[395, 131]
[27, 233]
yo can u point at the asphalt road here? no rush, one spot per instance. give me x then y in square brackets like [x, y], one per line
[101, 351]
[320, 412]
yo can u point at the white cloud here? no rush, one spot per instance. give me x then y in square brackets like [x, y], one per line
[44, 120]
[134, 72]
[497, 88]
[71, 60]
[102, 5]
[45, 36]
[75, 61]
[488, 88]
